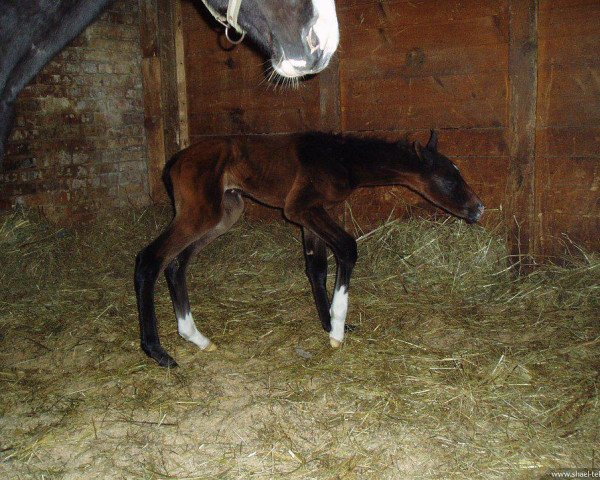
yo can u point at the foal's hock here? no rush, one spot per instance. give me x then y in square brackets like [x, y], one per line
[304, 175]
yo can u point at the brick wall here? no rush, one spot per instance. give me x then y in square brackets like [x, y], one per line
[78, 144]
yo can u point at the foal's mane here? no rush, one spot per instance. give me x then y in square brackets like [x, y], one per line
[352, 150]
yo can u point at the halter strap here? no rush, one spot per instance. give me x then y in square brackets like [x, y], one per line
[230, 20]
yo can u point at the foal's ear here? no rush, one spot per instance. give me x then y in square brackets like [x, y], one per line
[433, 141]
[418, 149]
[423, 155]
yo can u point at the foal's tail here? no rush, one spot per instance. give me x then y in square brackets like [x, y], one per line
[168, 181]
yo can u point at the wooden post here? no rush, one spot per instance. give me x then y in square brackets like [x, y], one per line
[152, 83]
[331, 112]
[329, 96]
[520, 192]
[163, 73]
[183, 131]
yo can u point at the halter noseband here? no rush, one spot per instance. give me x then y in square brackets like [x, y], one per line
[230, 20]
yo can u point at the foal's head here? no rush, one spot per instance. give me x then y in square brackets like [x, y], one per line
[300, 36]
[440, 181]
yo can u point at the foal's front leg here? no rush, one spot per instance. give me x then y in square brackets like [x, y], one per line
[344, 248]
[315, 255]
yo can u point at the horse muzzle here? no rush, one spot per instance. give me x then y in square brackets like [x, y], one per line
[293, 68]
[319, 43]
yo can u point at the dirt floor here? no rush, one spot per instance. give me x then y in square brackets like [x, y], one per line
[455, 370]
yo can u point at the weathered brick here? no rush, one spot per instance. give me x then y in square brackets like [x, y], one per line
[79, 142]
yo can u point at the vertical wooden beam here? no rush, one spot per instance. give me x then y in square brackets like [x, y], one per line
[184, 131]
[153, 107]
[520, 193]
[331, 113]
[168, 60]
[165, 100]
[329, 96]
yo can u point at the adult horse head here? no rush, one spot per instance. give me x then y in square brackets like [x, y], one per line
[299, 36]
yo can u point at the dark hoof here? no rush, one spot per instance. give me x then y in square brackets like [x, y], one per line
[160, 355]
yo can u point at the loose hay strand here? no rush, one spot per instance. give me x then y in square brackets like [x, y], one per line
[457, 369]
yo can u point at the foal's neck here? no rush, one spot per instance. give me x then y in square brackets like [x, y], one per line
[377, 162]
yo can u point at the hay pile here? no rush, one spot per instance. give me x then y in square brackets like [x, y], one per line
[456, 369]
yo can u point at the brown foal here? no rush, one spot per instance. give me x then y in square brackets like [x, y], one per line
[304, 175]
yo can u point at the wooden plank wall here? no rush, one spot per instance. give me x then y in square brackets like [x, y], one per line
[519, 202]
[228, 91]
[406, 66]
[568, 125]
[152, 78]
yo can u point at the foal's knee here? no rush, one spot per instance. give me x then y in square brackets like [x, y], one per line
[348, 252]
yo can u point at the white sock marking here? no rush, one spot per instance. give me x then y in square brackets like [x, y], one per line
[338, 310]
[187, 329]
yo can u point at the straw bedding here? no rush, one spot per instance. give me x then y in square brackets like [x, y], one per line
[456, 369]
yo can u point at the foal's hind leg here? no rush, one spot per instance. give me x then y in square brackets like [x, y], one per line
[175, 276]
[151, 261]
[148, 265]
[175, 273]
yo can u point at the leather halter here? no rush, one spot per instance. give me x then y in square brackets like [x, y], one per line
[230, 20]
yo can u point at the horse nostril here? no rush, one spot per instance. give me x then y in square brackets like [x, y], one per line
[312, 40]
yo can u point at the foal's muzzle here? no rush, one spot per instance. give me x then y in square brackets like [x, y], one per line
[475, 213]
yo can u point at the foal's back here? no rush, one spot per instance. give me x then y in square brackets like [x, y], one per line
[264, 168]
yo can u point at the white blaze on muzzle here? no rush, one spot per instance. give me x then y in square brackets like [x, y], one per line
[326, 27]
[290, 67]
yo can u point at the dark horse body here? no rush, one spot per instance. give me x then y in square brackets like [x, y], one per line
[304, 175]
[298, 35]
